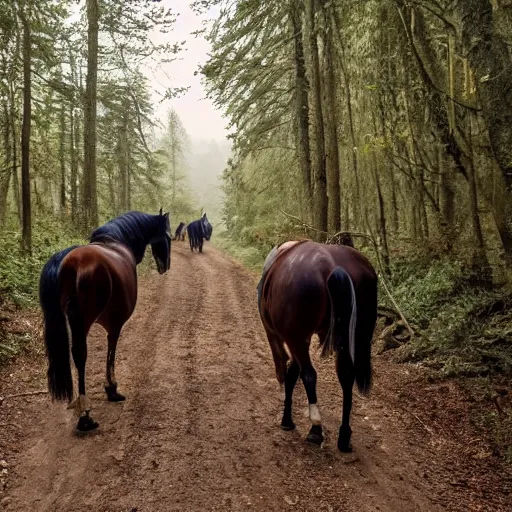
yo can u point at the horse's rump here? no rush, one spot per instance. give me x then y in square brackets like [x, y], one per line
[88, 278]
[297, 281]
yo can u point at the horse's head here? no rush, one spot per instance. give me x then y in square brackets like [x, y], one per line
[161, 243]
[207, 227]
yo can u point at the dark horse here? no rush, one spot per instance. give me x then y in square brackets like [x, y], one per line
[330, 290]
[96, 283]
[197, 230]
[180, 232]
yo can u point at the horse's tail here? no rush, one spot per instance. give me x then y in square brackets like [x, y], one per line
[56, 338]
[342, 335]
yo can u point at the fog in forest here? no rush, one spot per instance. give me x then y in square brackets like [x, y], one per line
[207, 149]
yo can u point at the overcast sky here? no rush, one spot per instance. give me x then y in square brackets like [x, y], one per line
[197, 113]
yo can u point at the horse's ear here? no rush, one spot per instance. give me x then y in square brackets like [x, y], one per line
[204, 216]
[161, 210]
[166, 214]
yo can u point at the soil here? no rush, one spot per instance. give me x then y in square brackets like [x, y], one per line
[200, 427]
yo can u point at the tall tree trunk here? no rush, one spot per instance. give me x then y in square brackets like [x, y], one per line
[395, 224]
[62, 157]
[332, 157]
[383, 235]
[446, 203]
[479, 256]
[320, 201]
[89, 193]
[490, 60]
[5, 172]
[15, 179]
[301, 104]
[80, 168]
[122, 150]
[74, 142]
[422, 206]
[25, 133]
[74, 165]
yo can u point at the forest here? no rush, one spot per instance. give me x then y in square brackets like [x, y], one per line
[83, 138]
[385, 125]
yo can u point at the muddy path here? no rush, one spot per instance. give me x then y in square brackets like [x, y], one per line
[199, 429]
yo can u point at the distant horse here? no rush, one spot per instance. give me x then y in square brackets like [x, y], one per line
[198, 230]
[330, 290]
[180, 232]
[96, 283]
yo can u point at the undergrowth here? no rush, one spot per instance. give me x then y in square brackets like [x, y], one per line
[19, 275]
[463, 329]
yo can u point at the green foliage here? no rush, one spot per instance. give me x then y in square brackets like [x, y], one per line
[423, 289]
[19, 275]
[463, 329]
[249, 256]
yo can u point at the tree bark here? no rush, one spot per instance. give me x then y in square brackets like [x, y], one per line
[319, 185]
[74, 165]
[15, 179]
[382, 230]
[332, 157]
[5, 172]
[25, 133]
[123, 160]
[301, 105]
[62, 157]
[89, 192]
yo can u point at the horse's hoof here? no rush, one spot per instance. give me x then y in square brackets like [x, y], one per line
[344, 448]
[86, 424]
[287, 425]
[116, 397]
[113, 395]
[344, 440]
[315, 435]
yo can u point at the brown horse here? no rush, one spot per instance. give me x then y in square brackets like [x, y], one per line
[330, 290]
[96, 283]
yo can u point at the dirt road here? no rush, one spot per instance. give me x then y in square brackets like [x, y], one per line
[200, 427]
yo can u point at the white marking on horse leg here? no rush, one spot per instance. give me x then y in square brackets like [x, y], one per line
[314, 414]
[85, 404]
[81, 405]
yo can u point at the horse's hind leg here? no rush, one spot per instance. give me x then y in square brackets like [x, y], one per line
[292, 374]
[79, 352]
[345, 371]
[308, 376]
[111, 382]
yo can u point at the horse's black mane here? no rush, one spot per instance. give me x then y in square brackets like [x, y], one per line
[134, 229]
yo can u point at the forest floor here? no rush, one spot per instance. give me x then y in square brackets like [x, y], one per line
[200, 427]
